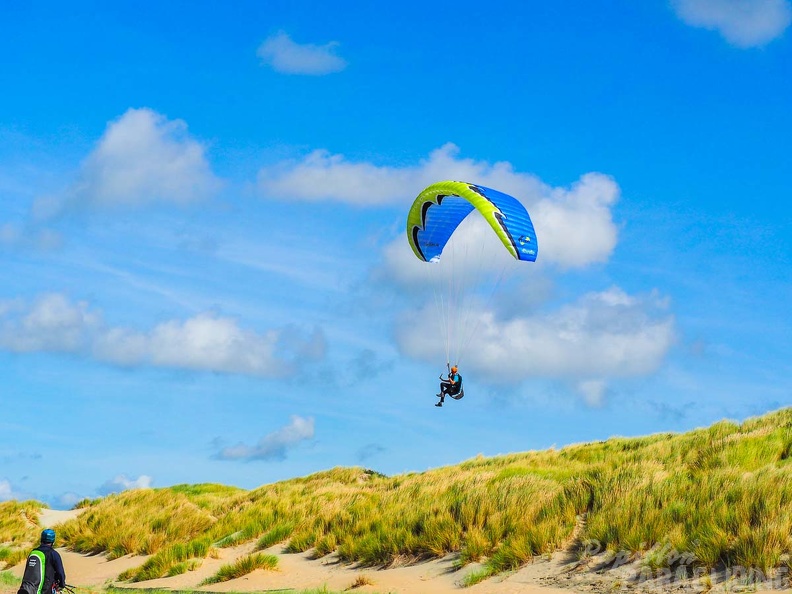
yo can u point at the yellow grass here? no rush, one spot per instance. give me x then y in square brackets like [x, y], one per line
[19, 530]
[242, 567]
[723, 494]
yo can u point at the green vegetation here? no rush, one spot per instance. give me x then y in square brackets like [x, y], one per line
[242, 566]
[167, 560]
[8, 579]
[11, 556]
[19, 530]
[276, 534]
[723, 494]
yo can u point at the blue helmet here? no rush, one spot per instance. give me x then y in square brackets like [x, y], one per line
[48, 536]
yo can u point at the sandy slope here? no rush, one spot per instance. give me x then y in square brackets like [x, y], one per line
[49, 518]
[298, 571]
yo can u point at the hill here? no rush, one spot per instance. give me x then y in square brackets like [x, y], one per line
[710, 499]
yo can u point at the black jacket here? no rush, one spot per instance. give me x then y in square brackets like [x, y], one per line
[44, 568]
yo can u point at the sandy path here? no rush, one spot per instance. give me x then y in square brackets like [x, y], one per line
[89, 570]
[298, 571]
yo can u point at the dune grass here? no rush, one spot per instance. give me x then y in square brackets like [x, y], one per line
[10, 556]
[722, 494]
[274, 535]
[241, 567]
[8, 579]
[360, 581]
[19, 530]
[167, 560]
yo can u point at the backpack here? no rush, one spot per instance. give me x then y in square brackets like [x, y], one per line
[35, 571]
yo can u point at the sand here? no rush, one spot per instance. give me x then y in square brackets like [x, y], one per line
[294, 571]
[300, 571]
[554, 575]
[49, 518]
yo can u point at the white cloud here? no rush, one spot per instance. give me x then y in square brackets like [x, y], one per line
[205, 342]
[324, 176]
[593, 391]
[603, 335]
[208, 342]
[6, 492]
[67, 500]
[123, 483]
[51, 323]
[574, 225]
[743, 23]
[273, 446]
[142, 158]
[284, 55]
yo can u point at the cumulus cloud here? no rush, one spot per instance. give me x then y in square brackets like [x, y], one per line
[142, 158]
[743, 23]
[273, 446]
[593, 392]
[67, 500]
[324, 176]
[51, 323]
[574, 225]
[284, 55]
[6, 492]
[205, 342]
[124, 483]
[603, 335]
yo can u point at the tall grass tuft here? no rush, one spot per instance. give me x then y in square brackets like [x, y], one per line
[8, 579]
[242, 567]
[276, 534]
[166, 559]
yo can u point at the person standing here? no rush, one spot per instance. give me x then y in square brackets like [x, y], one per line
[44, 573]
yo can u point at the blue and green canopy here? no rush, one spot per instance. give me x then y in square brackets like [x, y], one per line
[439, 209]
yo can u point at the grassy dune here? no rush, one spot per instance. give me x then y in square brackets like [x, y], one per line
[723, 494]
[18, 528]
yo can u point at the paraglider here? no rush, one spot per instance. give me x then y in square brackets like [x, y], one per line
[434, 217]
[450, 386]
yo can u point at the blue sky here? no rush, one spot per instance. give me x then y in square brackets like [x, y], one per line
[205, 275]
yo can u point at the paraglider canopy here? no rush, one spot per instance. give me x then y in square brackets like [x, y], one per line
[433, 219]
[440, 208]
